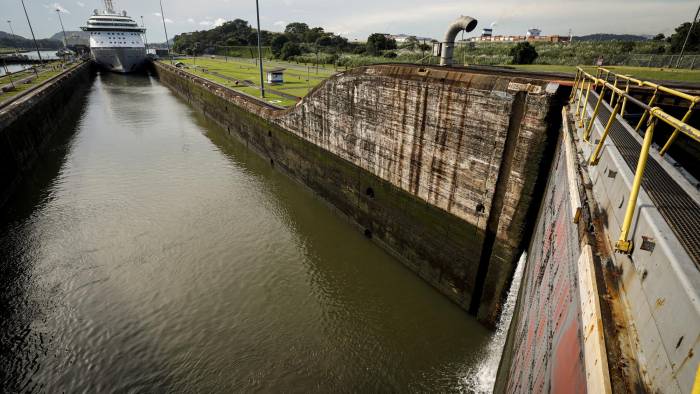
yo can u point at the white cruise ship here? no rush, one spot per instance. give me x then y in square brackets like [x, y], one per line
[116, 41]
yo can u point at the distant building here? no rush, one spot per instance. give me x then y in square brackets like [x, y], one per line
[275, 76]
[533, 33]
[402, 38]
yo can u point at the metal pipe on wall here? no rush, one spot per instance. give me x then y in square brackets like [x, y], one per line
[463, 23]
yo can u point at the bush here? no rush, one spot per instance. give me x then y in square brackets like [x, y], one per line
[523, 53]
[390, 55]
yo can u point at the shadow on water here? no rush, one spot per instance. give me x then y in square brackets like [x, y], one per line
[26, 339]
[17, 310]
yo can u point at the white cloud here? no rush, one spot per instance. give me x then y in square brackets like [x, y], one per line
[80, 3]
[216, 22]
[158, 14]
[190, 20]
[280, 23]
[57, 6]
[168, 20]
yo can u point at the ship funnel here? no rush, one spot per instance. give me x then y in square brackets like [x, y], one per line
[109, 6]
[465, 23]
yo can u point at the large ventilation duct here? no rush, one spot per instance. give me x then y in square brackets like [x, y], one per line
[465, 23]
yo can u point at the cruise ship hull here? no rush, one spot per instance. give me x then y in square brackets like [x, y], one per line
[119, 59]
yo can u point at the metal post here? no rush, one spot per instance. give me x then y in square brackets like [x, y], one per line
[9, 75]
[594, 157]
[688, 36]
[32, 31]
[167, 42]
[262, 86]
[624, 245]
[673, 136]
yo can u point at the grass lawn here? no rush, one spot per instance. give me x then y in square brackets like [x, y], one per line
[250, 90]
[298, 78]
[26, 86]
[645, 73]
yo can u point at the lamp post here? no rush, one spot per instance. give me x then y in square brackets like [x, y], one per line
[262, 86]
[167, 42]
[145, 39]
[65, 39]
[32, 31]
[9, 22]
[678, 63]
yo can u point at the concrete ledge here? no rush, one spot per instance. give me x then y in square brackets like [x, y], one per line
[595, 355]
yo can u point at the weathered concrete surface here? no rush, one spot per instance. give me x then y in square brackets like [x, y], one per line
[545, 339]
[28, 123]
[439, 165]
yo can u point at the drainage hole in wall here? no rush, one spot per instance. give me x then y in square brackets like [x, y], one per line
[480, 208]
[369, 192]
[368, 233]
[679, 342]
[272, 162]
[269, 133]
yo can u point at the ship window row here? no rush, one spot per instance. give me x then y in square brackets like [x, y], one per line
[118, 34]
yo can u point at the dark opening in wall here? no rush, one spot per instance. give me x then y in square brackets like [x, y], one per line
[368, 233]
[272, 162]
[369, 192]
[269, 133]
[480, 208]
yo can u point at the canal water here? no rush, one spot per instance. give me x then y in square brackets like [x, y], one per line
[148, 252]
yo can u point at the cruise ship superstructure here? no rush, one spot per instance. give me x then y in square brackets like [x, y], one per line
[116, 40]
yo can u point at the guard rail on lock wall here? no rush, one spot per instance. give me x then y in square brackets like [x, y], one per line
[618, 100]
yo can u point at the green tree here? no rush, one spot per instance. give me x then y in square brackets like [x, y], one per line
[411, 43]
[659, 37]
[523, 53]
[296, 31]
[277, 44]
[289, 50]
[378, 42]
[678, 38]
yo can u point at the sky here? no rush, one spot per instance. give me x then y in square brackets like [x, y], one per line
[356, 19]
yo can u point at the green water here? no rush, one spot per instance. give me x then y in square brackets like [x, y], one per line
[150, 253]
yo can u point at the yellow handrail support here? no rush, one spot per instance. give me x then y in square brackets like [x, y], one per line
[584, 104]
[587, 132]
[686, 129]
[644, 115]
[595, 156]
[624, 100]
[625, 245]
[677, 130]
[576, 81]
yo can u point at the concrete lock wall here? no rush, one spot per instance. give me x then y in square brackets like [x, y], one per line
[28, 124]
[439, 166]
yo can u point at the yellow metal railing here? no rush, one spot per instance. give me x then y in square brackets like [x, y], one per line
[618, 101]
